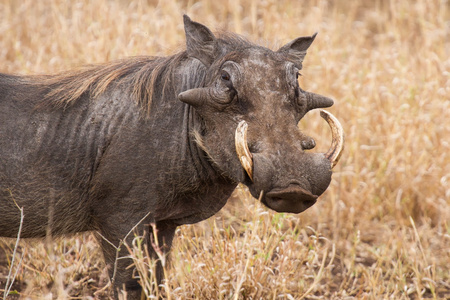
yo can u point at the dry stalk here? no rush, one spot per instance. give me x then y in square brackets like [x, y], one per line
[317, 277]
[10, 280]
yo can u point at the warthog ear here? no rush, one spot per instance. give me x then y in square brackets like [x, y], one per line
[296, 50]
[200, 41]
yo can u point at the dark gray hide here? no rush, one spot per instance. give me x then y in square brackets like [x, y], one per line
[101, 148]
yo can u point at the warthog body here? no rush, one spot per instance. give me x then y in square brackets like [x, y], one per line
[152, 140]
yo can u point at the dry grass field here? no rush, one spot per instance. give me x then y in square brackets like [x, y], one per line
[382, 229]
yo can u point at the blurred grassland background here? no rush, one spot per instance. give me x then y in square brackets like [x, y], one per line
[382, 229]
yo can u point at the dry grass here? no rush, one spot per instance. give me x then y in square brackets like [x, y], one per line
[382, 229]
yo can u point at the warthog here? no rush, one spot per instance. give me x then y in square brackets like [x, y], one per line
[158, 140]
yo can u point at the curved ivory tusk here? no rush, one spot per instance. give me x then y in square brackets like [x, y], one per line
[337, 133]
[244, 154]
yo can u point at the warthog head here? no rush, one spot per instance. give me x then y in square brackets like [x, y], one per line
[250, 106]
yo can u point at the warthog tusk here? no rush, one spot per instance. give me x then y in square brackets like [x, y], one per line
[337, 134]
[244, 154]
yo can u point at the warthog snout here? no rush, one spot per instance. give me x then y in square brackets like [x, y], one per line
[298, 194]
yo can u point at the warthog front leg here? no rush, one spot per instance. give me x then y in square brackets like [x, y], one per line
[159, 250]
[118, 259]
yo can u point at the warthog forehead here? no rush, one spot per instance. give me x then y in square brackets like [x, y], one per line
[262, 59]
[266, 71]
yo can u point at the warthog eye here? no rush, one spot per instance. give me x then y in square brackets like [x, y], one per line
[226, 79]
[297, 87]
[225, 76]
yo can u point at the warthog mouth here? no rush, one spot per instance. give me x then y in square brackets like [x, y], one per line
[293, 199]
